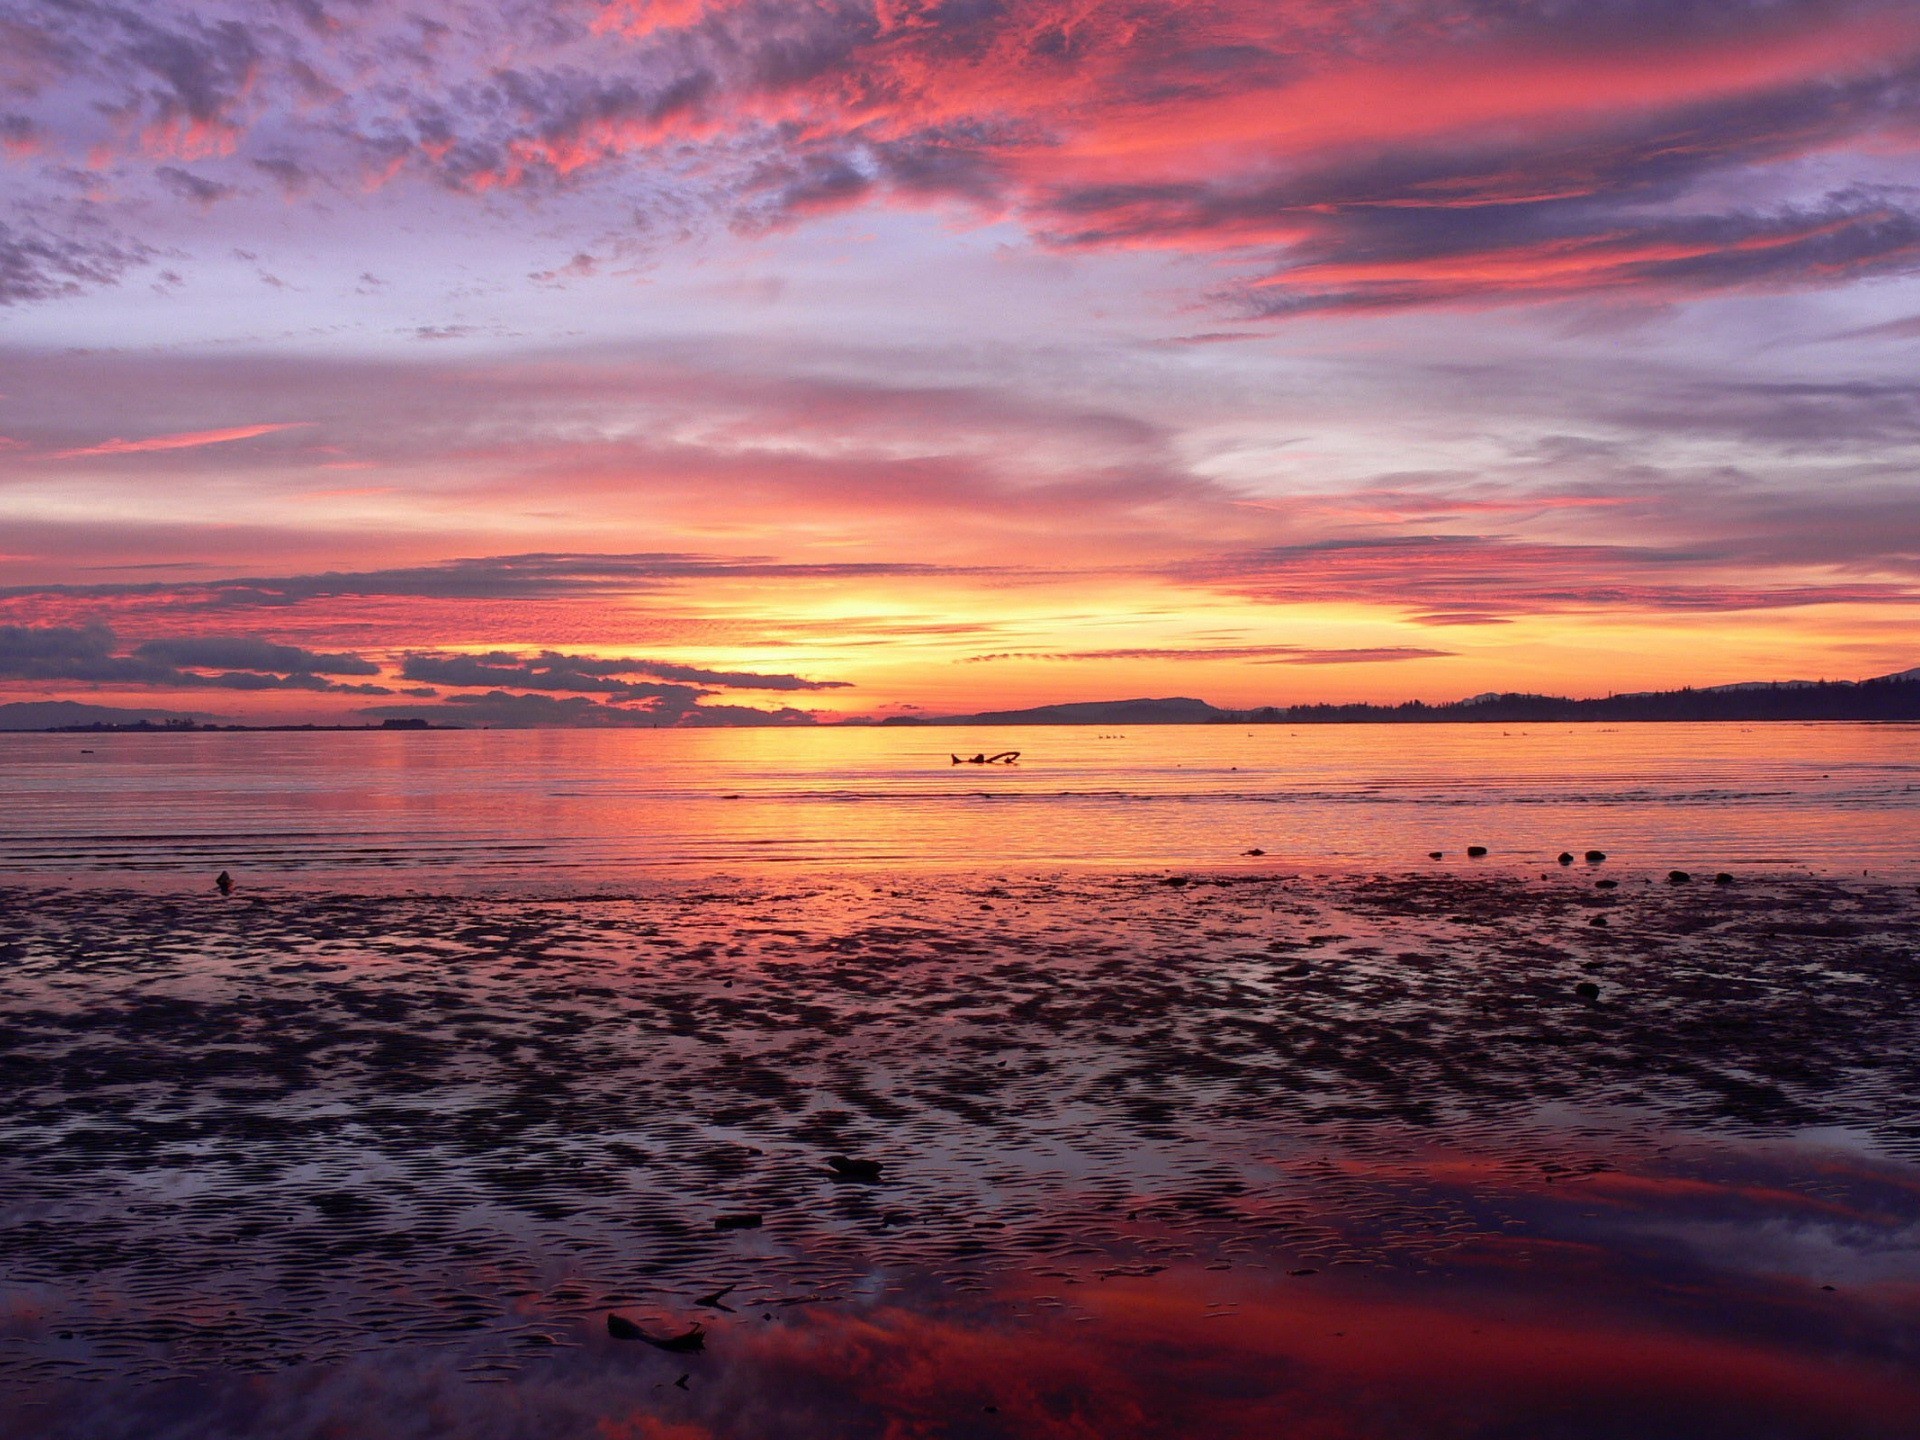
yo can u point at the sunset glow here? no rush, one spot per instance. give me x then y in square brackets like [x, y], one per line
[748, 361]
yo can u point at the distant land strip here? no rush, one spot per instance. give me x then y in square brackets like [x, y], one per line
[1886, 697]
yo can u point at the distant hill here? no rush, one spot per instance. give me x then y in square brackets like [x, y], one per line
[71, 714]
[1887, 697]
[1178, 711]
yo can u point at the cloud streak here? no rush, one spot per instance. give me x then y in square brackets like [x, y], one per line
[193, 440]
[1256, 654]
[541, 576]
[665, 705]
[1474, 579]
[551, 670]
[630, 692]
[91, 655]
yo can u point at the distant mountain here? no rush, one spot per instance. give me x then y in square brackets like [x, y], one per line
[1177, 711]
[68, 714]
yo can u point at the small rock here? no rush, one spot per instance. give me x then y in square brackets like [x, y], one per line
[1436, 854]
[1476, 851]
[845, 1167]
[1723, 878]
[1594, 857]
[1176, 881]
[1678, 877]
[1606, 884]
[736, 1222]
[1566, 857]
[621, 1328]
[1256, 852]
[1599, 920]
[1587, 990]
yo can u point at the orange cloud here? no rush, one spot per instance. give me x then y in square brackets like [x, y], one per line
[191, 440]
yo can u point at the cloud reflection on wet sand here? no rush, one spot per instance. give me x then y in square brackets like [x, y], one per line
[1246, 1156]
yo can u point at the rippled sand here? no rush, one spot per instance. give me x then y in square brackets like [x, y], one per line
[1235, 1155]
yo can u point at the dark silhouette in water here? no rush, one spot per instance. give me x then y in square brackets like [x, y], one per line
[845, 1167]
[1005, 757]
[224, 883]
[621, 1328]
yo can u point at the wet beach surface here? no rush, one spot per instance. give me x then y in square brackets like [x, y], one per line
[1232, 1154]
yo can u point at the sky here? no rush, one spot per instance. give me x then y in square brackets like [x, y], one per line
[733, 361]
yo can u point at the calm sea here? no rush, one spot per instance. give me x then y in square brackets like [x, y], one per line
[477, 809]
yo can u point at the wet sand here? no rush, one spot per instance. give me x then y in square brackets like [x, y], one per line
[1159, 1155]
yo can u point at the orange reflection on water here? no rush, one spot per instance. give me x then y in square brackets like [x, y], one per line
[1316, 1359]
[485, 807]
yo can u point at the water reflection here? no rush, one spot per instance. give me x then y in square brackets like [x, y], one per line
[1625, 1306]
[478, 809]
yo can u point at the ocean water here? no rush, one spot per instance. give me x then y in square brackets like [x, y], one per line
[480, 809]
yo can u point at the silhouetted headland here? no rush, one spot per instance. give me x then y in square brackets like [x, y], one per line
[1887, 697]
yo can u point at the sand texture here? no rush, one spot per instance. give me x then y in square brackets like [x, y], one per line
[285, 1133]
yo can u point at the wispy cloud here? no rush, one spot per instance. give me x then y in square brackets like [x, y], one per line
[1256, 654]
[192, 440]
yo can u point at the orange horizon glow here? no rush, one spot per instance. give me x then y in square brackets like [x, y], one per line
[892, 356]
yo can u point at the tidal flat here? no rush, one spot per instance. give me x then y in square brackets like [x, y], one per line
[1155, 1154]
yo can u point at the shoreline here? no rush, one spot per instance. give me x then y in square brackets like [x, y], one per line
[560, 882]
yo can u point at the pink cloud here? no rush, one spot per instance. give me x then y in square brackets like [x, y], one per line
[1359, 155]
[191, 440]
